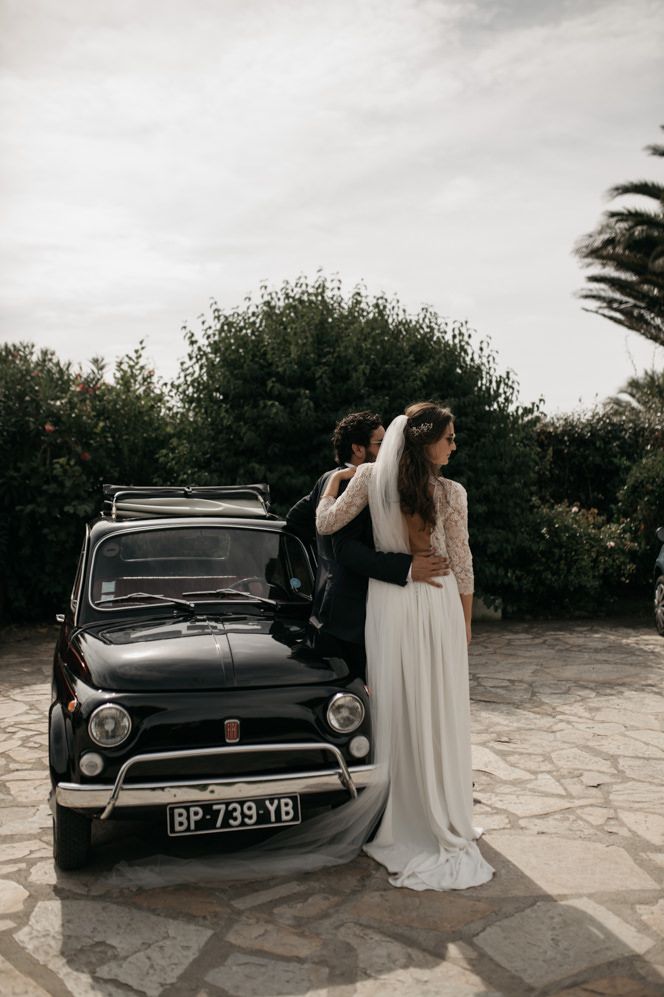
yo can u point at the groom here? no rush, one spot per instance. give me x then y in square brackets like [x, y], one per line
[347, 559]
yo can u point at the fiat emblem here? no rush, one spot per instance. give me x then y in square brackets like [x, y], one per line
[232, 731]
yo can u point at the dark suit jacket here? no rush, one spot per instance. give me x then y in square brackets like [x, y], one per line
[346, 561]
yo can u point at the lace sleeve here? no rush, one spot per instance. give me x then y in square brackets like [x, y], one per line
[455, 516]
[333, 514]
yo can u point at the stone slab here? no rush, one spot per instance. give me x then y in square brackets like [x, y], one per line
[644, 771]
[141, 950]
[528, 804]
[196, 901]
[553, 941]
[566, 866]
[611, 986]
[648, 826]
[433, 911]
[386, 968]
[312, 907]
[15, 984]
[485, 760]
[243, 975]
[596, 815]
[653, 915]
[12, 896]
[570, 759]
[259, 897]
[276, 939]
[545, 783]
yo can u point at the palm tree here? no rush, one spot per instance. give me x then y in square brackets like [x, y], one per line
[641, 393]
[627, 247]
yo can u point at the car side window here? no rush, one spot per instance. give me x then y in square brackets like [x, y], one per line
[300, 578]
[76, 589]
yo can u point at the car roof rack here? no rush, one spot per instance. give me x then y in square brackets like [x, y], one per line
[159, 501]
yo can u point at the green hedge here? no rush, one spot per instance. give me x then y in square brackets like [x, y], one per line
[586, 457]
[578, 563]
[264, 385]
[562, 511]
[61, 432]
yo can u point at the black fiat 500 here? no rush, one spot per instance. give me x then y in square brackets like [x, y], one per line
[183, 686]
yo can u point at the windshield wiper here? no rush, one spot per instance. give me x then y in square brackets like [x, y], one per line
[140, 596]
[228, 591]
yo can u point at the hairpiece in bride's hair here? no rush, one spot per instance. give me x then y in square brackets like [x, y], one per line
[417, 431]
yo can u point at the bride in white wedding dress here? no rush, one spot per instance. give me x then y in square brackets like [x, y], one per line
[417, 657]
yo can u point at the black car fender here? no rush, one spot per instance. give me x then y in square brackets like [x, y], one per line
[58, 747]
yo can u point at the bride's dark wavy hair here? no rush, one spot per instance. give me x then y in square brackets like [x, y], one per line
[427, 422]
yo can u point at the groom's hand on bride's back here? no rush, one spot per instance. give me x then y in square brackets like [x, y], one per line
[427, 567]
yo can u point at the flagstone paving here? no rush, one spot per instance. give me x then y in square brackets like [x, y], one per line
[568, 724]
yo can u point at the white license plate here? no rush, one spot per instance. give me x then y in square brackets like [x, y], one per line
[233, 815]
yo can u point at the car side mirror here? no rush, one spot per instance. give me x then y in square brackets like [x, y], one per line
[660, 534]
[59, 617]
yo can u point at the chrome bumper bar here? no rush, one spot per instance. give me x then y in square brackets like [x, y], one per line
[89, 796]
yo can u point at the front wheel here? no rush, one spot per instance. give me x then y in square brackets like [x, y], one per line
[659, 605]
[72, 836]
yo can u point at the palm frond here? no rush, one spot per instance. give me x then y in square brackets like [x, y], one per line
[637, 188]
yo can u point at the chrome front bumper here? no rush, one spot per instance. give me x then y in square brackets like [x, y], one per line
[106, 798]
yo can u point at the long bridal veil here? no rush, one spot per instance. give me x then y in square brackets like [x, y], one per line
[388, 524]
[336, 836]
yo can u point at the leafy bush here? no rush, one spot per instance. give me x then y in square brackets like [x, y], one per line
[586, 457]
[579, 563]
[61, 432]
[641, 502]
[263, 386]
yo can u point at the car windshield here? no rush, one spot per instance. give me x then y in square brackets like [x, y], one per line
[199, 564]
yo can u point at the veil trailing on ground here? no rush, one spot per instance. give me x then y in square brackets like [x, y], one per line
[337, 836]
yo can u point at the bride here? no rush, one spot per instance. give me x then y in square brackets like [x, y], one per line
[417, 655]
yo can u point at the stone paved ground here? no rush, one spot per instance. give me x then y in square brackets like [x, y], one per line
[569, 760]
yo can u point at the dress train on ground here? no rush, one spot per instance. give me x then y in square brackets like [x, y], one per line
[416, 639]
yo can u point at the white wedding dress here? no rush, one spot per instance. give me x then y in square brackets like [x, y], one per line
[417, 665]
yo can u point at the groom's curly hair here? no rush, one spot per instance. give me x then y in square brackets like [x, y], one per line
[427, 421]
[356, 427]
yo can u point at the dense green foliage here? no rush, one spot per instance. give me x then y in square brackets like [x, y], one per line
[578, 562]
[609, 461]
[61, 431]
[264, 385]
[562, 510]
[641, 504]
[626, 256]
[587, 456]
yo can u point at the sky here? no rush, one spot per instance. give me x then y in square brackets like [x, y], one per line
[155, 154]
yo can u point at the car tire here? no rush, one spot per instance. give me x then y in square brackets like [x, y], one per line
[659, 605]
[72, 837]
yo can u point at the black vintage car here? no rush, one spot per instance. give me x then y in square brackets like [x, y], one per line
[659, 584]
[183, 686]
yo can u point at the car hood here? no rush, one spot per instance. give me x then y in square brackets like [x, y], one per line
[202, 653]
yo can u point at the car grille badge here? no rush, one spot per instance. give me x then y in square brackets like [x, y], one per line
[232, 731]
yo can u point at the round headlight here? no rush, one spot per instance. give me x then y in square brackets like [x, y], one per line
[109, 725]
[345, 712]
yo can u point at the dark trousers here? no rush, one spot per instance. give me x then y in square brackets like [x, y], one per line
[329, 646]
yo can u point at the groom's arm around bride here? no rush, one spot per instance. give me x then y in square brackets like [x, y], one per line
[347, 559]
